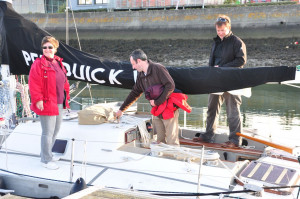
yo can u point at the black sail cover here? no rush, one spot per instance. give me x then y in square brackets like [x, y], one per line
[23, 40]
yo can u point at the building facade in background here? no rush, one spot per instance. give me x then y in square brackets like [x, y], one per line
[55, 6]
[89, 4]
[29, 6]
[59, 6]
[39, 6]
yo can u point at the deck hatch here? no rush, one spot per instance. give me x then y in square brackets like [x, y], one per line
[268, 173]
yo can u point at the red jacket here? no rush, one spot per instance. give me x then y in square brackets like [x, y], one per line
[42, 86]
[167, 108]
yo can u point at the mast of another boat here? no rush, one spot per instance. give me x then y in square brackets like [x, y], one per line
[67, 22]
[88, 85]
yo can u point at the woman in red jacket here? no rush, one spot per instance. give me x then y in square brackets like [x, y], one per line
[49, 91]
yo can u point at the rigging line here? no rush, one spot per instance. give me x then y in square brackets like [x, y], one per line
[126, 159]
[159, 176]
[78, 94]
[97, 141]
[144, 171]
[77, 35]
[233, 174]
[89, 87]
[101, 164]
[287, 84]
[124, 170]
[203, 194]
[72, 100]
[228, 196]
[19, 174]
[100, 141]
[166, 193]
[75, 25]
[94, 141]
[161, 193]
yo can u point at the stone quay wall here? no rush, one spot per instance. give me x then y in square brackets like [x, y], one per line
[256, 22]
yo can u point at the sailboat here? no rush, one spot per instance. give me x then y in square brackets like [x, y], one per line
[122, 155]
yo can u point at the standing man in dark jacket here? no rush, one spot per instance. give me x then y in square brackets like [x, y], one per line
[151, 74]
[227, 51]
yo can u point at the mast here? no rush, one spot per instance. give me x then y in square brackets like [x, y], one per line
[67, 23]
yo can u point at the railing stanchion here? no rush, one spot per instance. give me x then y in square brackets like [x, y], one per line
[72, 161]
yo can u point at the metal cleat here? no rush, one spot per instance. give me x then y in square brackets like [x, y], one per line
[259, 191]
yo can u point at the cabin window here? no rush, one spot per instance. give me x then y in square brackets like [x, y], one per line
[101, 1]
[85, 2]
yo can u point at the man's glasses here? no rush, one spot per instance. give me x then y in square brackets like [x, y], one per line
[222, 19]
[49, 47]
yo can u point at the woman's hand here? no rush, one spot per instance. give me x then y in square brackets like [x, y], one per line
[40, 105]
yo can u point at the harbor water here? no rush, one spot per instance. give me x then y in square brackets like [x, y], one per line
[272, 109]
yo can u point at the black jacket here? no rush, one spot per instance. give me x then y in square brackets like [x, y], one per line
[234, 52]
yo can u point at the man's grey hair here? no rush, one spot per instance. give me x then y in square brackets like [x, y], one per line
[138, 54]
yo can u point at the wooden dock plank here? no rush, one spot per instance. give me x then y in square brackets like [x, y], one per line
[96, 192]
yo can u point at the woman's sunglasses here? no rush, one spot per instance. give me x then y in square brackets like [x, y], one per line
[49, 47]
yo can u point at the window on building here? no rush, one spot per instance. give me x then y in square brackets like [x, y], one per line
[101, 1]
[54, 6]
[85, 2]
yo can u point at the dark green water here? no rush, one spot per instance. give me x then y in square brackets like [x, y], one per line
[271, 107]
